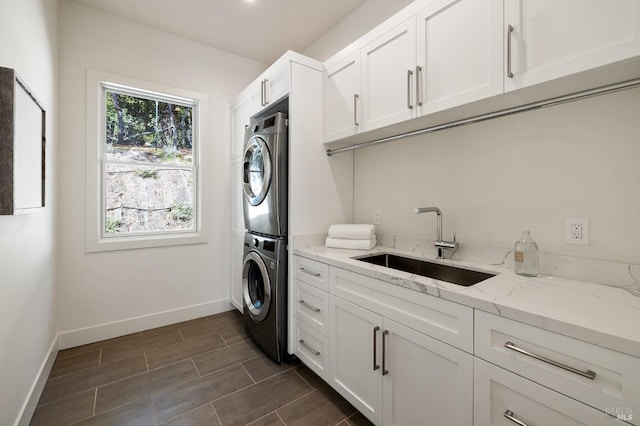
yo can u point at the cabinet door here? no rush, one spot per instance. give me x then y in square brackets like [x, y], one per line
[500, 396]
[237, 233]
[237, 251]
[552, 39]
[459, 53]
[272, 85]
[342, 104]
[426, 379]
[240, 115]
[353, 356]
[388, 77]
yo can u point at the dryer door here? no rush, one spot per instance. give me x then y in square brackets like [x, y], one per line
[256, 286]
[256, 175]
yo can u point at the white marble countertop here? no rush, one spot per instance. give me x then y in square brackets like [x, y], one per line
[604, 315]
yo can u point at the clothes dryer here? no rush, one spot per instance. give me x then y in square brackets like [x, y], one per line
[264, 289]
[264, 178]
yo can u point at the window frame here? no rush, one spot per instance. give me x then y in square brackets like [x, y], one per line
[98, 84]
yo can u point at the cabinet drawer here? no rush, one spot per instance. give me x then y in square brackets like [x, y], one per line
[561, 363]
[311, 272]
[312, 306]
[499, 393]
[446, 321]
[313, 349]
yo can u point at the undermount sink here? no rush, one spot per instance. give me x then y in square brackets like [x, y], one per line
[438, 271]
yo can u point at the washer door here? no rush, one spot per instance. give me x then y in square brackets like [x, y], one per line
[256, 175]
[256, 286]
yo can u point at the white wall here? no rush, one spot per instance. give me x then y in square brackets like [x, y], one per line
[28, 37]
[110, 287]
[352, 27]
[527, 171]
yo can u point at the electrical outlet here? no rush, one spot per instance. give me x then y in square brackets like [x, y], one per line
[376, 217]
[577, 231]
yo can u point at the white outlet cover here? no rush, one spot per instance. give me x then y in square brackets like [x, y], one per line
[376, 216]
[584, 222]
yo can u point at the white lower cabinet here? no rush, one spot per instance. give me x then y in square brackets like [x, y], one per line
[427, 381]
[395, 375]
[354, 358]
[503, 398]
[402, 357]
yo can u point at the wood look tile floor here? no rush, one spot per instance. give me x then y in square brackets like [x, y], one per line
[200, 372]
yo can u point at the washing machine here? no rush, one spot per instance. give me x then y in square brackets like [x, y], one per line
[264, 176]
[264, 290]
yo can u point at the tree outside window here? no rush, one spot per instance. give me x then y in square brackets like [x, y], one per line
[148, 168]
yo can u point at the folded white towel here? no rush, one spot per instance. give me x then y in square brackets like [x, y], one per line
[345, 243]
[352, 231]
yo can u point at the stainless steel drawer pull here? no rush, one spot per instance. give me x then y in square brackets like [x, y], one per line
[315, 274]
[509, 36]
[419, 85]
[509, 414]
[375, 341]
[309, 348]
[308, 306]
[265, 83]
[409, 78]
[588, 374]
[384, 357]
[355, 109]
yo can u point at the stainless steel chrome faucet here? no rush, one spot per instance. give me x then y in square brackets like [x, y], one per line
[442, 246]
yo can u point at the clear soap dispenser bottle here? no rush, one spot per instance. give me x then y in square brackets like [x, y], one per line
[525, 256]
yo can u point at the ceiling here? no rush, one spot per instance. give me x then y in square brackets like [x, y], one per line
[261, 30]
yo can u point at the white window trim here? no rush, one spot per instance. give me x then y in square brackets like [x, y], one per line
[95, 241]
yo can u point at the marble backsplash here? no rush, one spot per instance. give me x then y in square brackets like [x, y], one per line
[621, 275]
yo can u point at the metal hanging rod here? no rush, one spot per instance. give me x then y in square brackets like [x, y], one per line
[514, 110]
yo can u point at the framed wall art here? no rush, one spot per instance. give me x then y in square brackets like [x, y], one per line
[22, 146]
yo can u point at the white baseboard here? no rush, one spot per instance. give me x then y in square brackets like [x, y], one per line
[83, 336]
[30, 403]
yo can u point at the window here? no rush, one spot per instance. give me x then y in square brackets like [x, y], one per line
[146, 158]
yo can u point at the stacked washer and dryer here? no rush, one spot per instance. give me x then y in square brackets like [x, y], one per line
[264, 270]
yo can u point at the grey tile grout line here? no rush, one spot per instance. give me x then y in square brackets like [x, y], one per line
[303, 379]
[216, 412]
[155, 412]
[281, 419]
[95, 401]
[260, 418]
[195, 366]
[247, 371]
[295, 400]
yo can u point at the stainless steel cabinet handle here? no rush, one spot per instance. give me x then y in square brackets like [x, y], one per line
[384, 357]
[588, 374]
[375, 340]
[409, 75]
[308, 306]
[315, 274]
[309, 348]
[418, 85]
[262, 93]
[509, 36]
[509, 414]
[355, 109]
[266, 98]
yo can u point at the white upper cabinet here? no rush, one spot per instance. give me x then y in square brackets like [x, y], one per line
[388, 77]
[342, 107]
[271, 86]
[459, 53]
[548, 39]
